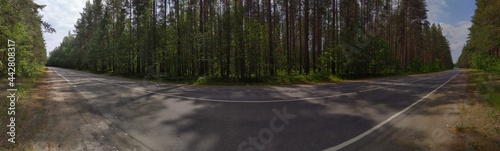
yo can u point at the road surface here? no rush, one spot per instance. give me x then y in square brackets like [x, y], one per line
[344, 116]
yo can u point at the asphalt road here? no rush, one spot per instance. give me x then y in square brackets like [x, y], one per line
[332, 116]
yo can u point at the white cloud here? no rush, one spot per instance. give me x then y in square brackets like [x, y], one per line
[436, 10]
[457, 35]
[62, 15]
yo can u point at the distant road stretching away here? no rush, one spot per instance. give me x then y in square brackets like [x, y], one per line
[329, 116]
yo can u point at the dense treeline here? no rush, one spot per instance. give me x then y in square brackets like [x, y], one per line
[253, 38]
[21, 23]
[482, 50]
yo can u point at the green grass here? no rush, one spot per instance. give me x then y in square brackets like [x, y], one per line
[266, 81]
[487, 87]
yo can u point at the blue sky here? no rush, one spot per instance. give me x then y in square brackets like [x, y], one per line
[453, 15]
[455, 18]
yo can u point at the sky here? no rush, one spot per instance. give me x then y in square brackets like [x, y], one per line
[454, 16]
[62, 15]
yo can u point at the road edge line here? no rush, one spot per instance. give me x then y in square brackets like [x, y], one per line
[360, 136]
[61, 76]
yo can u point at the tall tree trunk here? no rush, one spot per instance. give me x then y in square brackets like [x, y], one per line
[177, 18]
[228, 37]
[306, 38]
[287, 13]
[334, 37]
[202, 62]
[271, 47]
[314, 34]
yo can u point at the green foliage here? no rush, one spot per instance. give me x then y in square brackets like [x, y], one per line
[482, 50]
[382, 59]
[252, 40]
[487, 88]
[21, 23]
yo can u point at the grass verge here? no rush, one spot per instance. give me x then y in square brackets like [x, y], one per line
[266, 81]
[235, 81]
[29, 109]
[486, 87]
[479, 125]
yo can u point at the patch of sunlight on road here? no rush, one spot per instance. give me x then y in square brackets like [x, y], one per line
[176, 107]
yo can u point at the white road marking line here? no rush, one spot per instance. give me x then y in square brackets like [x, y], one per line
[352, 140]
[61, 76]
[246, 101]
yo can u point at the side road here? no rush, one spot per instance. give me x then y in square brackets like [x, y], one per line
[72, 124]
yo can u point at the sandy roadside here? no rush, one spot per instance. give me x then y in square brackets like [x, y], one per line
[72, 124]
